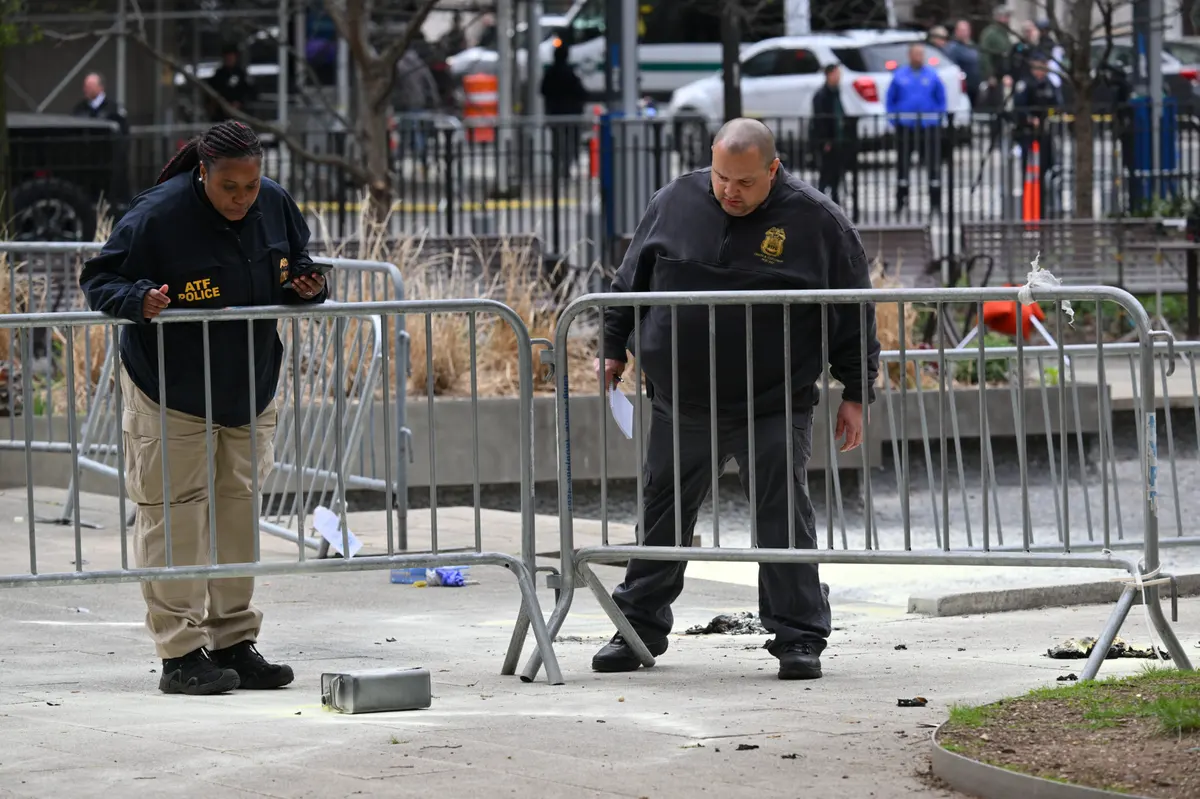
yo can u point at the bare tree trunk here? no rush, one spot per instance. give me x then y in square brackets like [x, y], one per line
[1081, 79]
[374, 86]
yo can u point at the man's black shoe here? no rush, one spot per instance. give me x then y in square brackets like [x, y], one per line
[617, 655]
[195, 674]
[798, 661]
[253, 670]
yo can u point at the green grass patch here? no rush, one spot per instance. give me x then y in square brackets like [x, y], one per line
[1170, 697]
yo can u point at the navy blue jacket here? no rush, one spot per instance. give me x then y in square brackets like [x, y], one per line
[797, 239]
[914, 92]
[172, 235]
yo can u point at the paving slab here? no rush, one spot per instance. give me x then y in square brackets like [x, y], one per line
[81, 712]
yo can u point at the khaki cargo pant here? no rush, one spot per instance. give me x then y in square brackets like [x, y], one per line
[184, 615]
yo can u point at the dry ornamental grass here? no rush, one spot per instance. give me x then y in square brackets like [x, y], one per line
[514, 277]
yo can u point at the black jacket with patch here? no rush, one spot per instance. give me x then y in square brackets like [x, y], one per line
[172, 235]
[797, 239]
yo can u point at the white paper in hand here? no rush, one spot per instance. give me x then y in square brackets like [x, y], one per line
[622, 411]
[330, 528]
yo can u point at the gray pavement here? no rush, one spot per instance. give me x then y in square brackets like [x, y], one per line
[82, 716]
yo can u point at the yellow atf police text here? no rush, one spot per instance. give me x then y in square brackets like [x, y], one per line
[202, 289]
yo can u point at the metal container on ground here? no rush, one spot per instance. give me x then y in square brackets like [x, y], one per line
[377, 690]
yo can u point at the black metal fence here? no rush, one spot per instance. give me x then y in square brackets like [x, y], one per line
[581, 183]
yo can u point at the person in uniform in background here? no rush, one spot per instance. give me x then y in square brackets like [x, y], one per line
[834, 134]
[213, 233]
[564, 95]
[743, 224]
[96, 104]
[232, 82]
[1032, 103]
[1024, 51]
[916, 101]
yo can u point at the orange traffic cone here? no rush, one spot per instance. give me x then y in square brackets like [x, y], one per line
[1032, 197]
[594, 145]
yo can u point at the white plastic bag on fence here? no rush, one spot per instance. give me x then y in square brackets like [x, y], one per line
[1041, 278]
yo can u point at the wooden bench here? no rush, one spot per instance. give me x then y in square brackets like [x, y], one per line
[905, 252]
[1077, 252]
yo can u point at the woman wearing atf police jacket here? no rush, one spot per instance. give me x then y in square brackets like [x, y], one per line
[214, 233]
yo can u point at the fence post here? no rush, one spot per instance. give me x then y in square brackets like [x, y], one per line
[450, 182]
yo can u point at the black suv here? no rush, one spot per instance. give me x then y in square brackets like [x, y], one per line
[59, 167]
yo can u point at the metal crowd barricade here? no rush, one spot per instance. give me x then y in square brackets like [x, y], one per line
[49, 273]
[916, 398]
[46, 544]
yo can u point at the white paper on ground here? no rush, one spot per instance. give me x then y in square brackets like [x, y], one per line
[622, 411]
[330, 528]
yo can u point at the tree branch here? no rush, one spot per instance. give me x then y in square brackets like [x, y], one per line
[354, 31]
[314, 79]
[394, 53]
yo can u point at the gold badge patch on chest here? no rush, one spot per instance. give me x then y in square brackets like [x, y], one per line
[771, 248]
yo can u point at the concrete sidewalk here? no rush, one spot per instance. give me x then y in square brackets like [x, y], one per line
[82, 717]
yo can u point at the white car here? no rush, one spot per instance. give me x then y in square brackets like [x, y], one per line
[781, 76]
[486, 60]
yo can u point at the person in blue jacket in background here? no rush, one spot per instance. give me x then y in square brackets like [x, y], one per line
[213, 233]
[916, 102]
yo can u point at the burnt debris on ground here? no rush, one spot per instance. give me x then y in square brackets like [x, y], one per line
[744, 623]
[1081, 648]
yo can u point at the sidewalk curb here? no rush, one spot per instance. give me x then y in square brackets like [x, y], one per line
[986, 781]
[1001, 601]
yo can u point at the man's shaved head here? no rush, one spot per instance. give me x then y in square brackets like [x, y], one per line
[93, 85]
[742, 135]
[743, 165]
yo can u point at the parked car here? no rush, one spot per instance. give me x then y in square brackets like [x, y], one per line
[1185, 50]
[61, 166]
[483, 58]
[781, 76]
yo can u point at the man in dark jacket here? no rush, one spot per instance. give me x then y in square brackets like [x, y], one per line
[834, 134]
[743, 224]
[232, 83]
[995, 44]
[1032, 103]
[962, 52]
[565, 96]
[96, 104]
[916, 102]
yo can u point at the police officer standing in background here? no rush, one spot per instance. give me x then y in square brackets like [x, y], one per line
[834, 134]
[916, 101]
[214, 233]
[232, 82]
[743, 224]
[1032, 103]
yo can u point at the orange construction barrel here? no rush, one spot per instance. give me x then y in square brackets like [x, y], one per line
[1001, 316]
[482, 106]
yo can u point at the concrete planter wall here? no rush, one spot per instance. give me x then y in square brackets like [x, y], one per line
[499, 436]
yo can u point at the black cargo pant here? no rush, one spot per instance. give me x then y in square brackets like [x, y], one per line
[926, 142]
[791, 601]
